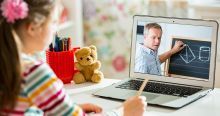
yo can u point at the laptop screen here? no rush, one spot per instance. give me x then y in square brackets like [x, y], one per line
[173, 49]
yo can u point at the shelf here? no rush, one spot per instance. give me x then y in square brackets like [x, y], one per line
[65, 25]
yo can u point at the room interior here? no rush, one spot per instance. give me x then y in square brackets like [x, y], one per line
[107, 24]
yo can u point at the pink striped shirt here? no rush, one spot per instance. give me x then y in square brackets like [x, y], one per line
[42, 92]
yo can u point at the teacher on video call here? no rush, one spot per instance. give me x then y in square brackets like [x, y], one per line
[146, 58]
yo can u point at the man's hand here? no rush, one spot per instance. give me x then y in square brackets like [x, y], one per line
[179, 45]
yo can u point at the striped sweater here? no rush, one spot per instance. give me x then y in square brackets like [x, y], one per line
[42, 93]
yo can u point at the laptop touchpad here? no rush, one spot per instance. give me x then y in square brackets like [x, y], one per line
[147, 95]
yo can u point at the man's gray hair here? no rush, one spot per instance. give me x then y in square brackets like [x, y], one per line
[151, 25]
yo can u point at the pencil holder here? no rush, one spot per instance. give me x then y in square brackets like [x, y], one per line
[62, 64]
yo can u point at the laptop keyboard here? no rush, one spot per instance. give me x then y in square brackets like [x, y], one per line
[156, 87]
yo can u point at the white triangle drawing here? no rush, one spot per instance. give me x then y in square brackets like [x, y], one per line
[187, 56]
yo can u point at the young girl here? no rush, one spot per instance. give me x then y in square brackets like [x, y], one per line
[29, 86]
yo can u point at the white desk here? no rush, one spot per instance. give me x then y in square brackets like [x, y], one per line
[206, 106]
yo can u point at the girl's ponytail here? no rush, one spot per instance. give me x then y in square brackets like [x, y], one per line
[10, 68]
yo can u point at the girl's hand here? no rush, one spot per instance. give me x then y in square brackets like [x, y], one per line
[88, 107]
[135, 106]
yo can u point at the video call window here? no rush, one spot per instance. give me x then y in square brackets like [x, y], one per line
[173, 50]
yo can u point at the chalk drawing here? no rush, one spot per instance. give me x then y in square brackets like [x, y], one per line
[187, 55]
[204, 53]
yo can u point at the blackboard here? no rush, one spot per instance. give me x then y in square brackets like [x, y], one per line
[193, 60]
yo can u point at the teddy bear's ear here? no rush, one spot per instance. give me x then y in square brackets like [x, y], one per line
[92, 47]
[76, 53]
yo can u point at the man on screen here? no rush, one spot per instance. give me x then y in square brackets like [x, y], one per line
[146, 58]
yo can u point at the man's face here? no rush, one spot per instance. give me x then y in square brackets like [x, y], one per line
[153, 38]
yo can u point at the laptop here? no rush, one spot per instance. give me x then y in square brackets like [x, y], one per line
[182, 78]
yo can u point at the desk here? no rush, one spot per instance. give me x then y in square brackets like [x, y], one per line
[206, 106]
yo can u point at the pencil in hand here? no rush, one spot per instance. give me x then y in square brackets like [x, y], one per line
[142, 87]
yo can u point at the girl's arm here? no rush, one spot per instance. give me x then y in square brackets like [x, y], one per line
[46, 91]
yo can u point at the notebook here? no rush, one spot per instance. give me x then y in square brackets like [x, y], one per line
[175, 78]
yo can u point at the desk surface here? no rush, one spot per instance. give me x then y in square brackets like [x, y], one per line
[206, 106]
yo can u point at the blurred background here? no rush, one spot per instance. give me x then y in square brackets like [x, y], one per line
[107, 24]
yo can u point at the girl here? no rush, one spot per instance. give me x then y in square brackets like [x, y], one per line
[30, 86]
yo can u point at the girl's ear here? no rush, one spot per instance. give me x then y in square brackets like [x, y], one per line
[33, 29]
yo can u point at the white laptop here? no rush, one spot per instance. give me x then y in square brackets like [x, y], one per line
[185, 76]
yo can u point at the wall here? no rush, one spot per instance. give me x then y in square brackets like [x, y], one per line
[108, 24]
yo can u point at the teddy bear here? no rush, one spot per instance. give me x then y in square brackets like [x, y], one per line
[87, 65]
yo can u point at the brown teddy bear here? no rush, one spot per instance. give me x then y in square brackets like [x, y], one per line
[88, 65]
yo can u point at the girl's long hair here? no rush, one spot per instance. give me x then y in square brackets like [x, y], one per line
[10, 62]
